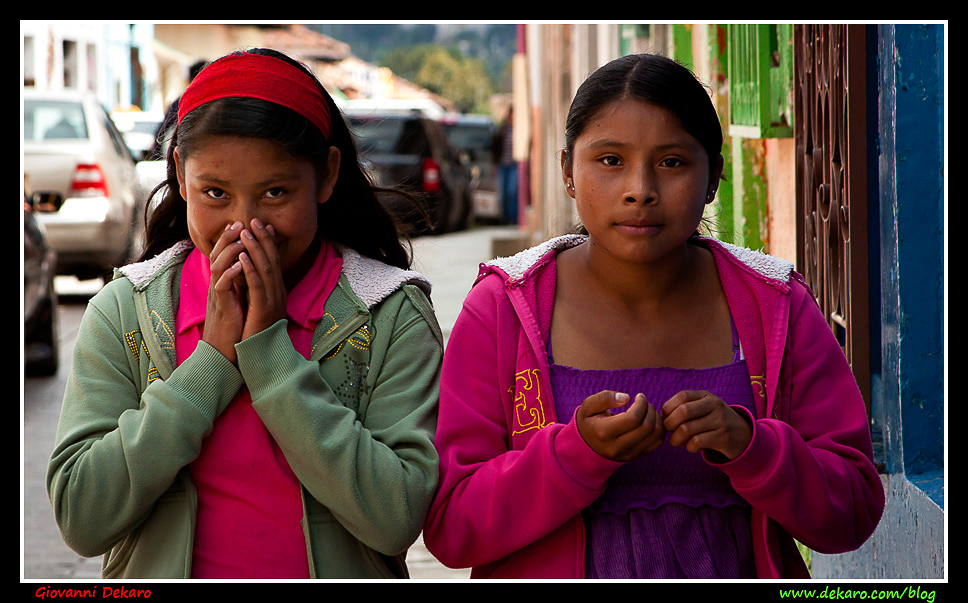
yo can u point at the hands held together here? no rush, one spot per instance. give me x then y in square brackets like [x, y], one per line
[697, 420]
[246, 292]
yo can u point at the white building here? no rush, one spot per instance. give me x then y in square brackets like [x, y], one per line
[113, 60]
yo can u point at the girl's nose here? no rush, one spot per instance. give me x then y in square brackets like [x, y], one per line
[640, 187]
[245, 213]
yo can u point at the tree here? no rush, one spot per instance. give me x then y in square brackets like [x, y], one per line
[406, 61]
[463, 81]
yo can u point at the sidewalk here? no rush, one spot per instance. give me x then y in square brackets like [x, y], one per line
[451, 263]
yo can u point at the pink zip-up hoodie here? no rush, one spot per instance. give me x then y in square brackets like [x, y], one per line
[514, 480]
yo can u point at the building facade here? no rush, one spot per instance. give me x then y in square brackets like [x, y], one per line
[835, 139]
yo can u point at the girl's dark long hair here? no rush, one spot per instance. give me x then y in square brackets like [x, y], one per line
[353, 216]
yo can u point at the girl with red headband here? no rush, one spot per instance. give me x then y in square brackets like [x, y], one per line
[256, 396]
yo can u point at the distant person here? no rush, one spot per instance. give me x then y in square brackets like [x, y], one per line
[507, 169]
[641, 401]
[257, 396]
[171, 114]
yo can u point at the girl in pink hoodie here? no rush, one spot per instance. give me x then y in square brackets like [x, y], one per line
[640, 401]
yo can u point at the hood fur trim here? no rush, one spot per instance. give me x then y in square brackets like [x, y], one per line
[371, 280]
[768, 266]
[141, 273]
[517, 265]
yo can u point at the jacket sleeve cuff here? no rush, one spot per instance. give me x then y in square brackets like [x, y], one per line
[715, 458]
[208, 379]
[757, 462]
[268, 358]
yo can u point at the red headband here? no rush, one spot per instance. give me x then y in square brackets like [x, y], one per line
[258, 76]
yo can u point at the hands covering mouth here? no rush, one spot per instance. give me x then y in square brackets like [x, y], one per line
[246, 290]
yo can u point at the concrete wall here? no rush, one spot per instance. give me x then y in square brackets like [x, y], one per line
[907, 545]
[559, 58]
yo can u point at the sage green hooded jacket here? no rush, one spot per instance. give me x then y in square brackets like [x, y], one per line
[356, 421]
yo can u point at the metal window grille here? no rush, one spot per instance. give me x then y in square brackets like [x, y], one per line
[831, 183]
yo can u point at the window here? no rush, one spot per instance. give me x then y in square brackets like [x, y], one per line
[760, 59]
[47, 120]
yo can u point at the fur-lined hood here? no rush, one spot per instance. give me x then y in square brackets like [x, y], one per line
[516, 267]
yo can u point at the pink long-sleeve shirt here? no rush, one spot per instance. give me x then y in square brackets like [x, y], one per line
[249, 504]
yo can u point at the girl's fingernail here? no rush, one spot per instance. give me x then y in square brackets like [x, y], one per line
[235, 226]
[622, 397]
[246, 234]
[257, 223]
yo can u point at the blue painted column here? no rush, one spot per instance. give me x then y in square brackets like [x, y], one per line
[912, 246]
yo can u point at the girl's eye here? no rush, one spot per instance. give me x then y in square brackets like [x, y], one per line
[611, 160]
[275, 193]
[215, 193]
[672, 162]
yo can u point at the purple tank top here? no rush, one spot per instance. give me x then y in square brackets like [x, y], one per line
[668, 514]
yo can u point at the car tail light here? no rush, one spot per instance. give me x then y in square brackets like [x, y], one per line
[88, 181]
[431, 175]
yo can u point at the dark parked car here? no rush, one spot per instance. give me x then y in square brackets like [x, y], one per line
[82, 179]
[473, 137]
[411, 151]
[40, 300]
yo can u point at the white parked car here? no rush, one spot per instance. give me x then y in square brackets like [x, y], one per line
[139, 129]
[81, 182]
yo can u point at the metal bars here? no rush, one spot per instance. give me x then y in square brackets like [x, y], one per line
[831, 134]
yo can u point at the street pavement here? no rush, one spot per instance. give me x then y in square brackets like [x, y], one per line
[450, 262]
